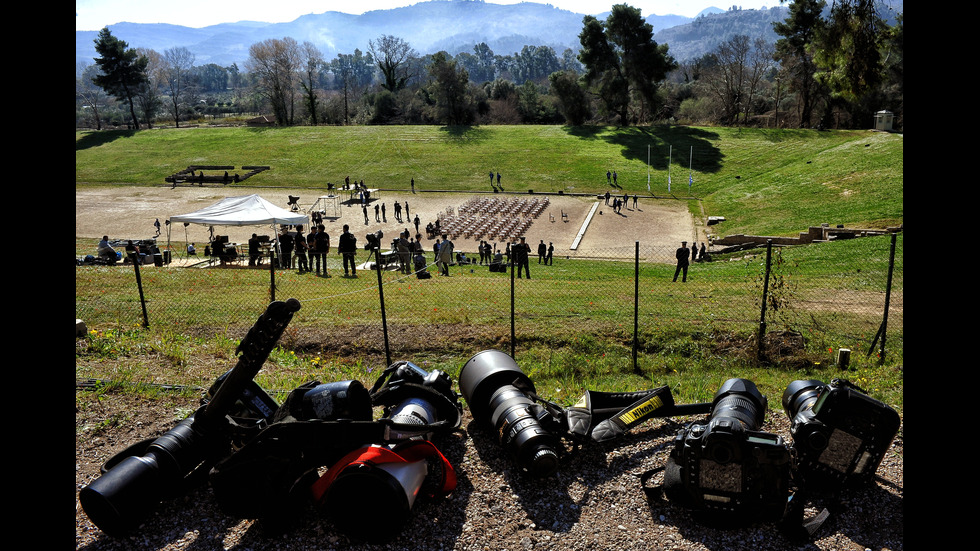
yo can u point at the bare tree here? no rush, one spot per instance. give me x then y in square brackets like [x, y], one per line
[148, 93]
[177, 65]
[392, 54]
[89, 95]
[312, 60]
[274, 64]
[760, 62]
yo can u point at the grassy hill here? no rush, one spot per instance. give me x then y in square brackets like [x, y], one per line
[771, 182]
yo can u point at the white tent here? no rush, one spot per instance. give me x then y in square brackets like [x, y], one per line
[245, 210]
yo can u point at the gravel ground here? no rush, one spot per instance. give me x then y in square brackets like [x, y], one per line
[596, 500]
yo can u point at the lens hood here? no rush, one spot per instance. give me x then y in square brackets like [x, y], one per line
[798, 393]
[483, 374]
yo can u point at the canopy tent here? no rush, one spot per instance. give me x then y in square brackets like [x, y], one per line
[245, 210]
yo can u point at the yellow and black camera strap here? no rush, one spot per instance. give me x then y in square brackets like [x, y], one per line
[604, 416]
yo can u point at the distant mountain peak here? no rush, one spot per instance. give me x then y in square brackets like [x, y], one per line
[429, 26]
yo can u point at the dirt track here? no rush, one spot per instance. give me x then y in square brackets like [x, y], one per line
[129, 212]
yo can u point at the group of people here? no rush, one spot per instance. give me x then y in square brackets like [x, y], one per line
[685, 256]
[310, 249]
[108, 254]
[619, 202]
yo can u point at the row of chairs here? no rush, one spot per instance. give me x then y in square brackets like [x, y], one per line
[494, 206]
[478, 226]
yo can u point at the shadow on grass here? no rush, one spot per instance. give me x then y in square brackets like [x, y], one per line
[96, 138]
[465, 134]
[680, 145]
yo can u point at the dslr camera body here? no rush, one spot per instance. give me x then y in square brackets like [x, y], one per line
[726, 465]
[840, 434]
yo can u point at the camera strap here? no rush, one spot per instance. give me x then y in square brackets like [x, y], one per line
[604, 416]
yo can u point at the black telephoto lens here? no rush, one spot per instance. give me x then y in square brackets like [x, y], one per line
[119, 500]
[489, 382]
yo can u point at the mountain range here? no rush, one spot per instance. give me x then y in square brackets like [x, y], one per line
[432, 26]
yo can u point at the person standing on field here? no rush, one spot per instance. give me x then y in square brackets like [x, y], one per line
[445, 255]
[347, 247]
[683, 254]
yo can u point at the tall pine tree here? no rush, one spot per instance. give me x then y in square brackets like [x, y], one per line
[622, 60]
[121, 69]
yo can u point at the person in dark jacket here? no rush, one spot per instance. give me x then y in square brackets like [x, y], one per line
[683, 255]
[521, 252]
[347, 247]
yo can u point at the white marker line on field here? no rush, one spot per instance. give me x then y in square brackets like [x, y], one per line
[585, 226]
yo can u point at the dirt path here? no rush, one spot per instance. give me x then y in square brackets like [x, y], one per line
[129, 212]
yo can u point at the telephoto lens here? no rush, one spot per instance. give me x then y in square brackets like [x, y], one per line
[840, 434]
[120, 499]
[491, 383]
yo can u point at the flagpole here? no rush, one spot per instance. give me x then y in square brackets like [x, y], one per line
[648, 167]
[690, 170]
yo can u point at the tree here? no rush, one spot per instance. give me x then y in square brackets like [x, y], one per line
[572, 101]
[121, 70]
[178, 63]
[621, 59]
[274, 64]
[734, 78]
[450, 90]
[534, 63]
[848, 52]
[90, 96]
[312, 60]
[794, 51]
[485, 66]
[353, 71]
[148, 93]
[392, 54]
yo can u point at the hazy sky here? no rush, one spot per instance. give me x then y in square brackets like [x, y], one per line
[92, 15]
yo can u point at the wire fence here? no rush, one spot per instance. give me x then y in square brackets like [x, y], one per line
[634, 298]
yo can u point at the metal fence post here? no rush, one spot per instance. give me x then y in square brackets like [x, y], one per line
[636, 305]
[765, 298]
[139, 286]
[272, 277]
[883, 329]
[381, 296]
[512, 331]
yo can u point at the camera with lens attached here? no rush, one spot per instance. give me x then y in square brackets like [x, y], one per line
[373, 240]
[726, 465]
[134, 481]
[840, 434]
[417, 403]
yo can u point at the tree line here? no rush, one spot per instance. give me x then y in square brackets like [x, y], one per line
[832, 66]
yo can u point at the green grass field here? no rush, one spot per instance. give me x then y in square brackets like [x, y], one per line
[769, 182]
[763, 182]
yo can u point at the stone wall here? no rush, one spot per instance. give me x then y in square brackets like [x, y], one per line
[814, 234]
